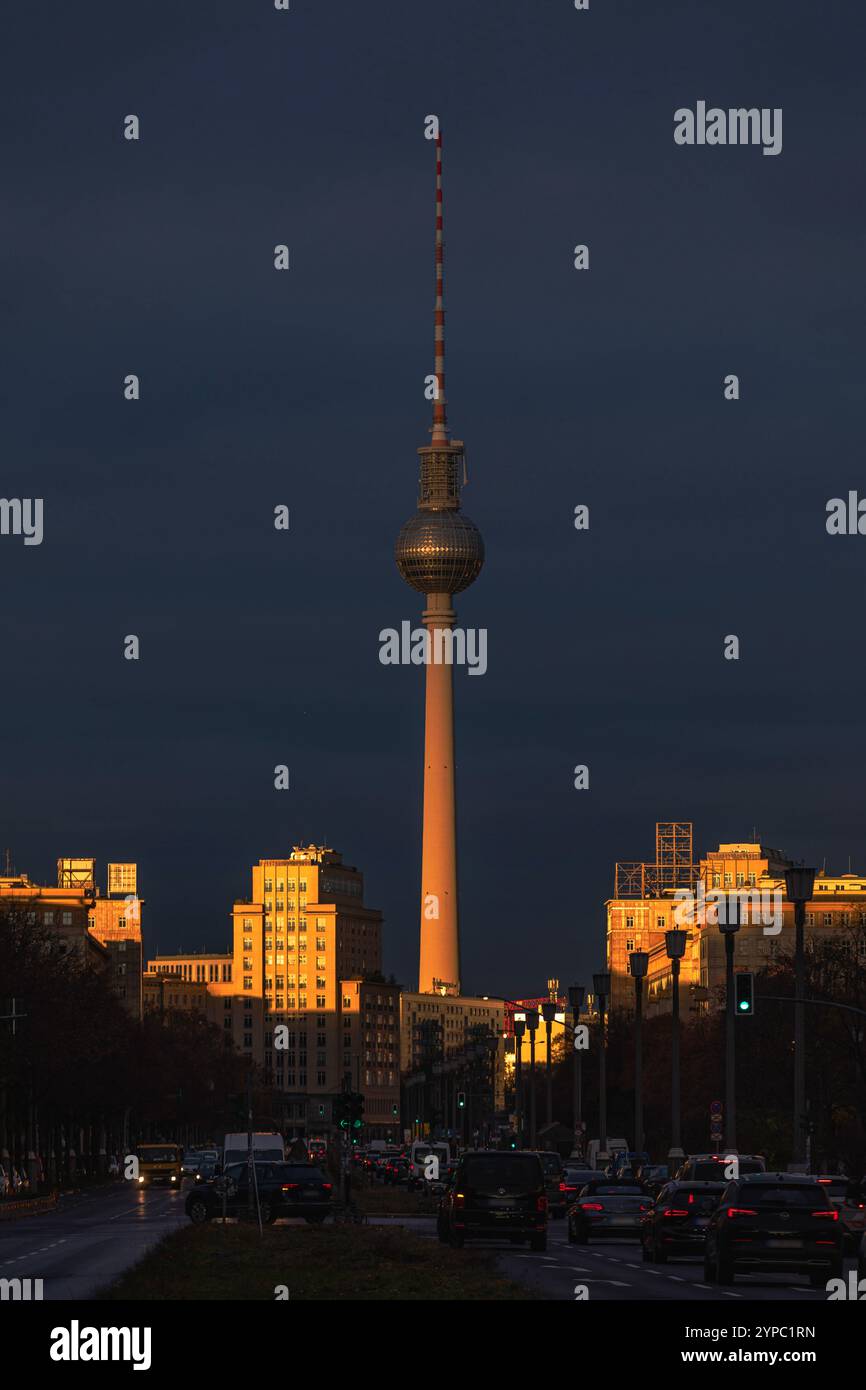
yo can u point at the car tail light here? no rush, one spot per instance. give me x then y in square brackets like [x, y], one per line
[327, 1187]
[832, 1214]
[562, 1187]
[740, 1211]
[672, 1211]
[460, 1199]
[541, 1203]
[289, 1186]
[591, 1206]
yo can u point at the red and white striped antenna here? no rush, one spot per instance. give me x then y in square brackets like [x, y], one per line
[440, 424]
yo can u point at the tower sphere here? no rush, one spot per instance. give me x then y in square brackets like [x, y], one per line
[439, 552]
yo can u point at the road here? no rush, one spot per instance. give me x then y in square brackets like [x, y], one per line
[614, 1269]
[89, 1240]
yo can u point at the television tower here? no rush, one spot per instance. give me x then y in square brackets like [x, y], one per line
[439, 552]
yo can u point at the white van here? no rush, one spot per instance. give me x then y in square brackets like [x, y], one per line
[266, 1148]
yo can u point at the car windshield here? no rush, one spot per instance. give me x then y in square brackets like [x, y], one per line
[702, 1199]
[618, 1189]
[515, 1171]
[770, 1195]
[836, 1188]
[154, 1154]
[708, 1169]
[294, 1172]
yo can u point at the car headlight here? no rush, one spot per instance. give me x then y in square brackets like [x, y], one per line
[174, 1177]
[141, 1182]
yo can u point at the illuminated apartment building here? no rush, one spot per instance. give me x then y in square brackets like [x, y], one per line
[303, 945]
[637, 921]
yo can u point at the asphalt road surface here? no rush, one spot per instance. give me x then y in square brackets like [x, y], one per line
[89, 1240]
[614, 1269]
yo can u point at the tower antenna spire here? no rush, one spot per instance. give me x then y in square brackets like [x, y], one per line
[440, 423]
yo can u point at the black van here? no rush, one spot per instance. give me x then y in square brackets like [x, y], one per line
[495, 1194]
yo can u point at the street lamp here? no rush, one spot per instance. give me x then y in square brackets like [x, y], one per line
[576, 998]
[548, 1013]
[532, 1026]
[639, 965]
[519, 1030]
[675, 945]
[799, 885]
[729, 925]
[601, 988]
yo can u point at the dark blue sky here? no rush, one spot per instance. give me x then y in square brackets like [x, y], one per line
[258, 648]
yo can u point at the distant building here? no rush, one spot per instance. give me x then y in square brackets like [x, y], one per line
[303, 944]
[638, 923]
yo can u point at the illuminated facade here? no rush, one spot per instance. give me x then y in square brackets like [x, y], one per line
[639, 924]
[307, 954]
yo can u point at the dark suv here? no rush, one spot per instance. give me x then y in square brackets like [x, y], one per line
[774, 1223]
[284, 1189]
[495, 1194]
[677, 1223]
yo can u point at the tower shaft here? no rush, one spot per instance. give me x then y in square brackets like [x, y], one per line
[440, 938]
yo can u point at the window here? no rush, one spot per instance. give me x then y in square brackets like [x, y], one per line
[320, 1078]
[629, 945]
[320, 1001]
[717, 880]
[248, 982]
[629, 921]
[727, 880]
[227, 1023]
[248, 943]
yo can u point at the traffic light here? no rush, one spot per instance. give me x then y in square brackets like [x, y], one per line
[744, 994]
[340, 1111]
[461, 1100]
[355, 1109]
[395, 1110]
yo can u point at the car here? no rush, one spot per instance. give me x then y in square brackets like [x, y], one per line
[191, 1160]
[654, 1176]
[847, 1197]
[626, 1163]
[574, 1179]
[711, 1167]
[554, 1177]
[861, 1260]
[206, 1171]
[676, 1223]
[396, 1172]
[495, 1194]
[608, 1207]
[284, 1189]
[774, 1223]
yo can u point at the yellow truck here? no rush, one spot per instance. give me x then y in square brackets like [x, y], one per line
[159, 1163]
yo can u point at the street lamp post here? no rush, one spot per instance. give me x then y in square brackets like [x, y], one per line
[675, 945]
[638, 964]
[799, 885]
[576, 997]
[532, 1025]
[548, 1013]
[601, 987]
[729, 925]
[519, 1030]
